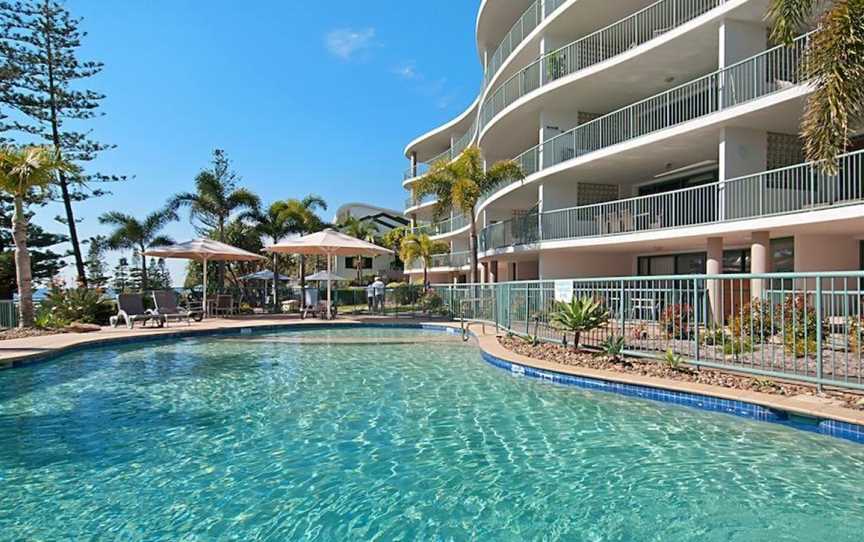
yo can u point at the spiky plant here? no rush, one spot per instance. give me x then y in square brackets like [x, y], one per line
[580, 315]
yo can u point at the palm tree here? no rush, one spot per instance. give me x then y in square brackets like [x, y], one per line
[834, 62]
[275, 223]
[361, 229]
[421, 247]
[216, 198]
[24, 174]
[301, 214]
[139, 235]
[460, 185]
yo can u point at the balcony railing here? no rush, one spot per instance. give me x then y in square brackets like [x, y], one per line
[529, 20]
[803, 187]
[414, 201]
[454, 260]
[771, 71]
[444, 227]
[421, 169]
[617, 38]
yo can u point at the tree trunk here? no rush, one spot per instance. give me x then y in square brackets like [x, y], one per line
[220, 266]
[23, 273]
[576, 337]
[143, 270]
[64, 184]
[473, 248]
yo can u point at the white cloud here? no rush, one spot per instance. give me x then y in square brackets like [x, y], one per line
[344, 43]
[408, 70]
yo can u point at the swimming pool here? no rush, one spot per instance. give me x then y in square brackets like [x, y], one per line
[383, 434]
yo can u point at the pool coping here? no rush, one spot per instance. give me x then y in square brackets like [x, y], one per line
[825, 419]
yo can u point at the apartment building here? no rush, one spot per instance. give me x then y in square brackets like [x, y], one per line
[656, 138]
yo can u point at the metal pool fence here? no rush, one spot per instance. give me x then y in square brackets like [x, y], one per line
[8, 313]
[806, 327]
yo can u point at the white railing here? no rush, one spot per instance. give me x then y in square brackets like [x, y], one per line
[453, 260]
[617, 38]
[799, 188]
[771, 71]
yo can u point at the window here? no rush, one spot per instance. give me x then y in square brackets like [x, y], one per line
[680, 264]
[350, 263]
[736, 261]
[783, 255]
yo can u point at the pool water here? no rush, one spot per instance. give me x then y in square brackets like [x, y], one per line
[389, 434]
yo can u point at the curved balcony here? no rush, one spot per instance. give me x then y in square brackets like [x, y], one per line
[452, 260]
[444, 227]
[794, 189]
[769, 72]
[414, 202]
[604, 44]
[521, 29]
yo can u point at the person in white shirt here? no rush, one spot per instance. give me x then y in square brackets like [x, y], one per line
[370, 296]
[378, 286]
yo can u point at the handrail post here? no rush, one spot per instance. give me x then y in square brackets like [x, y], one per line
[696, 304]
[819, 337]
[622, 310]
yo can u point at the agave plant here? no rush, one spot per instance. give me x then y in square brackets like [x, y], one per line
[581, 315]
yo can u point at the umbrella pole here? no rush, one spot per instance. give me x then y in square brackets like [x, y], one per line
[329, 297]
[204, 308]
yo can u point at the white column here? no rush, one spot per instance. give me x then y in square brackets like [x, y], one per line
[742, 152]
[737, 40]
[760, 260]
[714, 266]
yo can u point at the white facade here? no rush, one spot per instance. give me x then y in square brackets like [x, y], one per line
[657, 137]
[384, 221]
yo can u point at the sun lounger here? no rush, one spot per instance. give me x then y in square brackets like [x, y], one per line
[167, 309]
[224, 305]
[131, 309]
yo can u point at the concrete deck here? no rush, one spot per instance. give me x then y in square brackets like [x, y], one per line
[19, 351]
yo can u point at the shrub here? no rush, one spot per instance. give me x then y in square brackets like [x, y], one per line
[62, 307]
[755, 319]
[432, 303]
[581, 315]
[800, 324]
[676, 319]
[613, 347]
[736, 346]
[856, 334]
[404, 293]
[672, 360]
[714, 337]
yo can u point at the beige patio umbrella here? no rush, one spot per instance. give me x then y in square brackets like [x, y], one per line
[204, 251]
[329, 243]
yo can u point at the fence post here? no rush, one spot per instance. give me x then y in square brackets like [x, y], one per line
[819, 337]
[696, 296]
[623, 311]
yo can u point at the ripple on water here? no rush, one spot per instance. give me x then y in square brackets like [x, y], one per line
[388, 434]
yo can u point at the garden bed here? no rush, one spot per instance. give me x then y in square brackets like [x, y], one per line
[23, 333]
[567, 356]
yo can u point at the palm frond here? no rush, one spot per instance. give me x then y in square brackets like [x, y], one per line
[835, 64]
[787, 17]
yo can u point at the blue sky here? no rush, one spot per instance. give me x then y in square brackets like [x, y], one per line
[304, 96]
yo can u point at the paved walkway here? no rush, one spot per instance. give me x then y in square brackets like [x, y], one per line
[32, 348]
